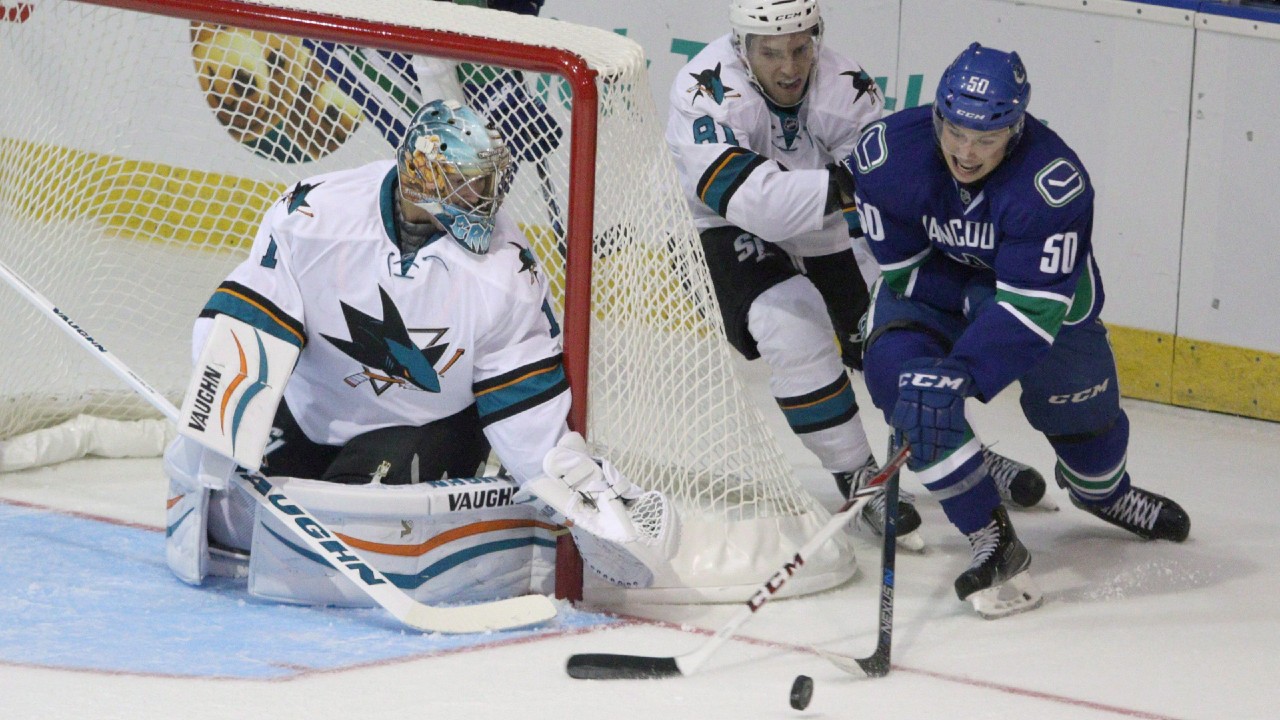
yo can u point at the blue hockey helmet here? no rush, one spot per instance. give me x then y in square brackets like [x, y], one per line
[984, 89]
[456, 166]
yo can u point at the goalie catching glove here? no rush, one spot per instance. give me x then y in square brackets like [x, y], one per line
[625, 534]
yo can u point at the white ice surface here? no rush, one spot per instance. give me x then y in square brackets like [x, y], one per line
[1129, 629]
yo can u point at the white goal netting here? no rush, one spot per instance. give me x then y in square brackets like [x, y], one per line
[138, 151]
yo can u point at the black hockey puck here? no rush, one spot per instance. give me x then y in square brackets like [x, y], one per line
[801, 692]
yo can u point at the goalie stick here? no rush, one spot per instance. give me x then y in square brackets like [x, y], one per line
[608, 666]
[483, 617]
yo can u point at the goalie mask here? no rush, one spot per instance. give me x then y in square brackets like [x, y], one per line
[456, 166]
[775, 39]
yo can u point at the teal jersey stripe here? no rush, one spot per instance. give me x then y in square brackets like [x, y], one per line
[248, 309]
[722, 179]
[826, 408]
[519, 390]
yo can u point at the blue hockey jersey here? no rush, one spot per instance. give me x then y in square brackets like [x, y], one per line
[1012, 253]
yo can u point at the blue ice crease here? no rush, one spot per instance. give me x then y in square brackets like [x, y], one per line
[84, 594]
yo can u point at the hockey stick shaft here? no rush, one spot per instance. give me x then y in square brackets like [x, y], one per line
[553, 208]
[877, 664]
[607, 666]
[500, 615]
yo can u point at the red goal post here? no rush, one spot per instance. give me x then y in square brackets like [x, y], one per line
[452, 45]
[141, 141]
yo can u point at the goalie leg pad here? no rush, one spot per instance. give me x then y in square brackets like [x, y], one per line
[454, 540]
[193, 471]
[186, 546]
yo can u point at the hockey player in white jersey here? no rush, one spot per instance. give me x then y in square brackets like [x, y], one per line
[757, 119]
[423, 337]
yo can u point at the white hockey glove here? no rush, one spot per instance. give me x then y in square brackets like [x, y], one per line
[625, 534]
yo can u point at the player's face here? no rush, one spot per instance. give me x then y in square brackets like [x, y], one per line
[781, 64]
[972, 155]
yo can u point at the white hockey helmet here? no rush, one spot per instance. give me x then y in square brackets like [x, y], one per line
[772, 17]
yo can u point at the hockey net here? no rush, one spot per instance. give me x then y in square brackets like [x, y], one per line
[141, 142]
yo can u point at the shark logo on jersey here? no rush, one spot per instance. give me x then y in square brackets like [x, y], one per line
[863, 83]
[528, 263]
[1060, 182]
[296, 198]
[710, 85]
[388, 354]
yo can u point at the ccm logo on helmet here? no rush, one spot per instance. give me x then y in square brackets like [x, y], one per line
[789, 16]
[928, 380]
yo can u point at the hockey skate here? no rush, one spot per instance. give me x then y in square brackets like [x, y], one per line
[1141, 512]
[998, 581]
[1020, 486]
[909, 537]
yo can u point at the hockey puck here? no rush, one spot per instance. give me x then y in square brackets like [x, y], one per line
[801, 692]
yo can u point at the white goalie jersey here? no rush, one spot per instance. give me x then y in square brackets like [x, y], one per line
[734, 149]
[391, 339]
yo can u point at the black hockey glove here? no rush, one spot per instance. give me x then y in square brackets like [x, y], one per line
[840, 189]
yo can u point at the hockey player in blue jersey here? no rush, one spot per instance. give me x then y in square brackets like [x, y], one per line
[981, 218]
[758, 119]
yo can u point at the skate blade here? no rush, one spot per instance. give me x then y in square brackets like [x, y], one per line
[912, 541]
[228, 563]
[1016, 595]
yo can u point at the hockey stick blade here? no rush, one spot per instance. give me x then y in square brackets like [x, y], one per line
[603, 666]
[482, 617]
[877, 664]
[607, 666]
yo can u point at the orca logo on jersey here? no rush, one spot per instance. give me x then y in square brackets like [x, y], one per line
[871, 151]
[385, 345]
[1060, 182]
[710, 85]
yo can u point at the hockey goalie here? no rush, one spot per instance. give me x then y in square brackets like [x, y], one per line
[389, 329]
